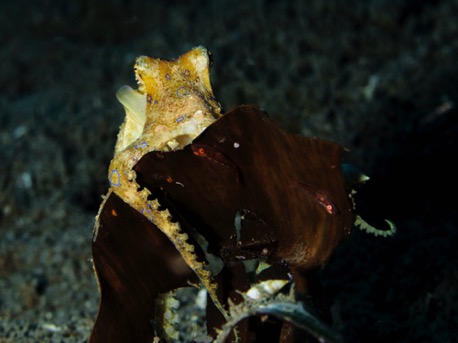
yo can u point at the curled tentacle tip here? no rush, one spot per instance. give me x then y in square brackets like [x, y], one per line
[365, 226]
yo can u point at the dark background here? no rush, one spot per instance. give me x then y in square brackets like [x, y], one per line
[379, 77]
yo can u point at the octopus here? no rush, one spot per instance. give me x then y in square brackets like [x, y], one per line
[198, 197]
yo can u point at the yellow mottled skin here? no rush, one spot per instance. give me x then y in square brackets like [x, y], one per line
[173, 104]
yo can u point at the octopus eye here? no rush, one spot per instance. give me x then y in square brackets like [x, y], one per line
[199, 151]
[320, 197]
